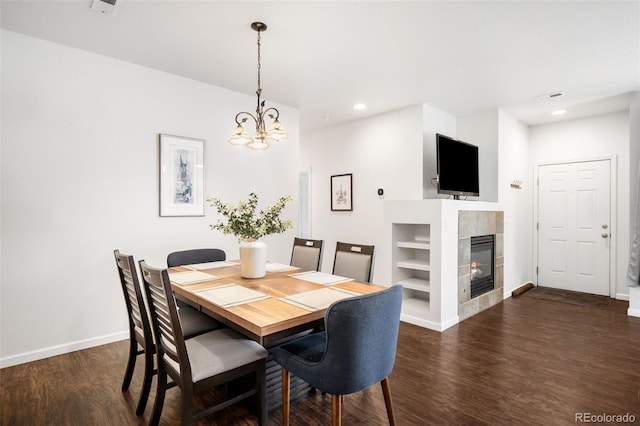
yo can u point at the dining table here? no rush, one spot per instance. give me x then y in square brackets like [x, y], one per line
[285, 302]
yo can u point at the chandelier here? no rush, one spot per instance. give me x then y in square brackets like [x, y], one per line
[262, 137]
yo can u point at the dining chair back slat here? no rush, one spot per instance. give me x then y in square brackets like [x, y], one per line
[168, 330]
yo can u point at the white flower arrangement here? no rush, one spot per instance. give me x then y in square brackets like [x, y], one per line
[243, 222]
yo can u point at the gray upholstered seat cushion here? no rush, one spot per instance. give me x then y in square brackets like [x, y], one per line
[219, 351]
[194, 322]
[353, 265]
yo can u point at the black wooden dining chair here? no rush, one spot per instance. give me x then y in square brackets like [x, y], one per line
[356, 351]
[141, 340]
[354, 261]
[198, 364]
[307, 254]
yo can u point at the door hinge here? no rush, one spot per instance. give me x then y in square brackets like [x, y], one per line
[538, 226]
[536, 270]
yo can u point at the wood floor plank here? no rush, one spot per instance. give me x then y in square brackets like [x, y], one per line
[522, 362]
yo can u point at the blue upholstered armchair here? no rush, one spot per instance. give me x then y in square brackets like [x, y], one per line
[356, 351]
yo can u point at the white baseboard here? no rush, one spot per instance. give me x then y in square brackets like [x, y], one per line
[622, 296]
[634, 302]
[508, 293]
[62, 349]
[450, 323]
[432, 325]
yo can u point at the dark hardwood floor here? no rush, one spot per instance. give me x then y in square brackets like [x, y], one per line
[523, 362]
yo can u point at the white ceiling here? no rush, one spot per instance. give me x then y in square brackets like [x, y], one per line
[323, 56]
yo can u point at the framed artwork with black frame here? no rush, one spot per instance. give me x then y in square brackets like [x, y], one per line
[181, 176]
[342, 192]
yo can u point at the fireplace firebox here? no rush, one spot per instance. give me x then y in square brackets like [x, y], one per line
[482, 264]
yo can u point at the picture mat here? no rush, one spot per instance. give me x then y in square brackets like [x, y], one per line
[175, 150]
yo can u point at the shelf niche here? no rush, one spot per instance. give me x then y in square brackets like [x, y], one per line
[411, 257]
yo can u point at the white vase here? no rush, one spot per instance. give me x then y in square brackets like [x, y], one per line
[253, 259]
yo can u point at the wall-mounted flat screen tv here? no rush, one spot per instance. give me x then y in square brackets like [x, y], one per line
[457, 167]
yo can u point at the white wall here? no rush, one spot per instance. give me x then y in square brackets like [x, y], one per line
[482, 130]
[383, 151]
[433, 121]
[589, 138]
[80, 179]
[515, 164]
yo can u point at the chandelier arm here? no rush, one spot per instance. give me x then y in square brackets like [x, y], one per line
[244, 119]
[266, 112]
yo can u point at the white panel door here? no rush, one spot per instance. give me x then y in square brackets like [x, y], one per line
[574, 207]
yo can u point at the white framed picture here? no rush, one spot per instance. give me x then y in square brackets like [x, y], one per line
[181, 176]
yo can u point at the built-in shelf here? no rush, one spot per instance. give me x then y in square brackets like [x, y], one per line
[415, 307]
[411, 256]
[416, 264]
[419, 245]
[416, 284]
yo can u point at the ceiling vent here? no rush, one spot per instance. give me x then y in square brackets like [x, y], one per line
[548, 96]
[108, 7]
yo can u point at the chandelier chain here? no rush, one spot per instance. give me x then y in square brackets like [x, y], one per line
[259, 66]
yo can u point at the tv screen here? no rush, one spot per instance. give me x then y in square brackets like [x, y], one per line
[457, 167]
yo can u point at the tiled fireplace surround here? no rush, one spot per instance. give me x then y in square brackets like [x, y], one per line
[473, 224]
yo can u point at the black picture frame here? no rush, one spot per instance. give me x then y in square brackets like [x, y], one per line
[342, 192]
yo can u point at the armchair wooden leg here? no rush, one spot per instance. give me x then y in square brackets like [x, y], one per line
[336, 410]
[285, 397]
[386, 391]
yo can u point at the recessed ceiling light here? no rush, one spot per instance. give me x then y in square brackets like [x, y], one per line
[359, 107]
[559, 112]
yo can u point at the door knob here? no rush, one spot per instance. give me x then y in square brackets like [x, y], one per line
[605, 226]
[605, 235]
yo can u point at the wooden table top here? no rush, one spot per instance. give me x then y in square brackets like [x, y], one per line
[264, 320]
